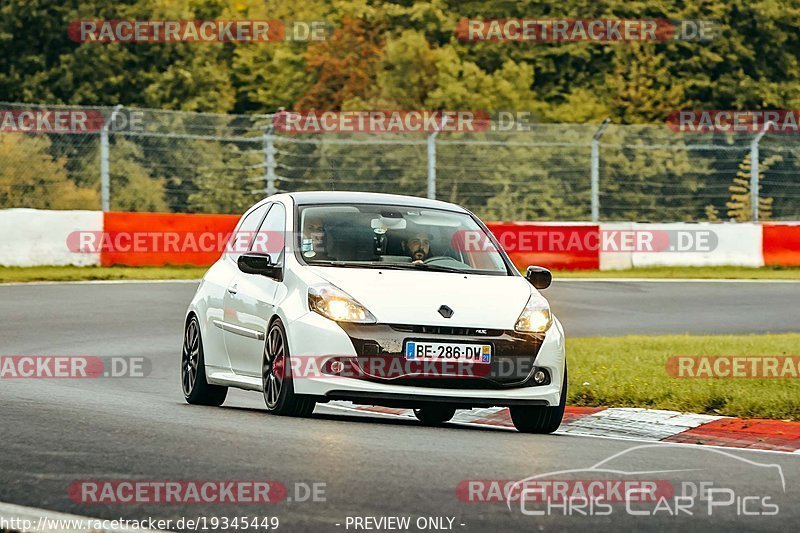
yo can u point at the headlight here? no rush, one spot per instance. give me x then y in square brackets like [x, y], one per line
[536, 317]
[332, 302]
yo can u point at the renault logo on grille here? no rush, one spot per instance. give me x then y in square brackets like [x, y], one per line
[445, 311]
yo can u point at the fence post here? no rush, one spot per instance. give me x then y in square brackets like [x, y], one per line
[432, 165]
[432, 159]
[105, 180]
[269, 160]
[754, 164]
[595, 175]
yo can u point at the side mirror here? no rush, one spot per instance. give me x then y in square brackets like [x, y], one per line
[539, 277]
[260, 264]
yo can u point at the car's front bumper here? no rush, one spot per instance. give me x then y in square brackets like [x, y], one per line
[516, 356]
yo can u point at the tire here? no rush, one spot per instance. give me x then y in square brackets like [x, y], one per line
[276, 377]
[434, 415]
[539, 419]
[196, 389]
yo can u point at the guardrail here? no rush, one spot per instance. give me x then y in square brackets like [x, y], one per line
[33, 237]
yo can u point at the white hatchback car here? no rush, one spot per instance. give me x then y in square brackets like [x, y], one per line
[376, 299]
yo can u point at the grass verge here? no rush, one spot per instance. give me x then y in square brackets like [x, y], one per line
[73, 273]
[722, 272]
[631, 372]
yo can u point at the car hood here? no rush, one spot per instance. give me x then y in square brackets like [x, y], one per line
[411, 297]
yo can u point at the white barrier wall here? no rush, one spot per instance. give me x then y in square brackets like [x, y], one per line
[33, 237]
[700, 244]
[614, 260]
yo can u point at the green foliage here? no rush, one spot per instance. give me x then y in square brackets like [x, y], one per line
[631, 372]
[219, 188]
[405, 55]
[31, 177]
[739, 206]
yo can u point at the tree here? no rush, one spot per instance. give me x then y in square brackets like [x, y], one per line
[740, 204]
[344, 65]
[31, 177]
[640, 88]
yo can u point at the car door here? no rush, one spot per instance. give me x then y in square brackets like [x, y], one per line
[238, 244]
[250, 299]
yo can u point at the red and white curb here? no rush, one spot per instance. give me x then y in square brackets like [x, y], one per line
[651, 425]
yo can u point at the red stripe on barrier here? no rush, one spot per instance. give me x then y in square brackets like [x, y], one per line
[182, 224]
[757, 434]
[781, 245]
[556, 246]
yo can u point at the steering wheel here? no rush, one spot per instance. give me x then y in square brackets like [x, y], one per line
[438, 258]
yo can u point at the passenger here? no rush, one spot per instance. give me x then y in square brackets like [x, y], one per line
[314, 245]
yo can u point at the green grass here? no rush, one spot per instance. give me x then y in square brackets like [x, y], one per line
[73, 273]
[722, 272]
[631, 372]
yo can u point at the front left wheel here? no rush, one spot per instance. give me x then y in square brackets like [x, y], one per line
[277, 382]
[541, 419]
[196, 389]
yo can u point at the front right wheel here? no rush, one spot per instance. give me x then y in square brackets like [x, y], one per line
[540, 419]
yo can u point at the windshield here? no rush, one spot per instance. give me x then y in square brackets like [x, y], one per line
[385, 236]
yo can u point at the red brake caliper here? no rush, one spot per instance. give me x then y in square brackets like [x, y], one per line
[279, 367]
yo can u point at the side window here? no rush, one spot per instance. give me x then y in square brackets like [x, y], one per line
[241, 241]
[271, 236]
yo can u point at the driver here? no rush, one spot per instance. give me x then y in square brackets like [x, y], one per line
[418, 246]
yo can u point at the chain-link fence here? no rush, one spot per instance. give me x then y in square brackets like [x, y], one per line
[155, 160]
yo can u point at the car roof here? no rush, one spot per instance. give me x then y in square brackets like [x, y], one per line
[348, 197]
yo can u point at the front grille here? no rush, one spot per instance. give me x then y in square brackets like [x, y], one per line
[447, 330]
[462, 382]
[513, 353]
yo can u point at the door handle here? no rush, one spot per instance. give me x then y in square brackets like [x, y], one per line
[233, 289]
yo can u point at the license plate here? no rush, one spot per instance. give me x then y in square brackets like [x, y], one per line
[448, 351]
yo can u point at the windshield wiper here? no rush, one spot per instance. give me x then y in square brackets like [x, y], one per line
[439, 268]
[394, 266]
[357, 264]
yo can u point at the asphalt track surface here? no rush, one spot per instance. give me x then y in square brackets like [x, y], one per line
[55, 432]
